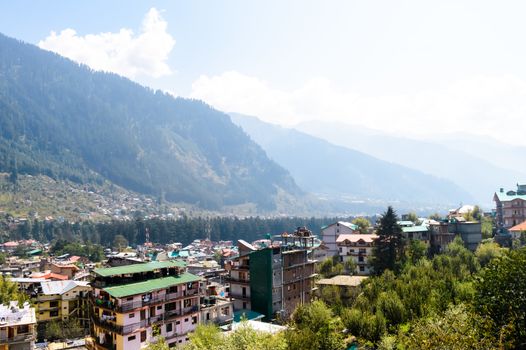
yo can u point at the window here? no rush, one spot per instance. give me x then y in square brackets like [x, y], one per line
[53, 304]
[129, 299]
[186, 320]
[53, 313]
[143, 336]
[131, 315]
[177, 322]
[22, 329]
[360, 258]
[169, 327]
[194, 320]
[244, 305]
[159, 307]
[131, 338]
[362, 268]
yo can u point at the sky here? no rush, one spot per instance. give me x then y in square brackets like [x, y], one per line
[406, 67]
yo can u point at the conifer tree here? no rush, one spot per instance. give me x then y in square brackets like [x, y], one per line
[389, 247]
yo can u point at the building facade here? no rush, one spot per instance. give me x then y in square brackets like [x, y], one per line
[17, 327]
[129, 302]
[510, 207]
[358, 248]
[330, 233]
[273, 280]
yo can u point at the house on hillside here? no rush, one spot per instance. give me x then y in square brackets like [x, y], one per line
[510, 207]
[330, 233]
[358, 248]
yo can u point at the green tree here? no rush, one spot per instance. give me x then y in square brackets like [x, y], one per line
[363, 224]
[314, 327]
[500, 297]
[389, 247]
[457, 329]
[412, 217]
[416, 250]
[120, 242]
[9, 291]
[488, 251]
[486, 227]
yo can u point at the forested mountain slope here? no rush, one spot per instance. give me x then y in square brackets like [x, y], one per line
[64, 120]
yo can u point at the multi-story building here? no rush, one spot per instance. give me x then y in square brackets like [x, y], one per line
[130, 302]
[62, 300]
[510, 207]
[17, 327]
[216, 307]
[330, 233]
[358, 248]
[273, 280]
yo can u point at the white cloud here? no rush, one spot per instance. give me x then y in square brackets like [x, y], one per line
[483, 105]
[124, 53]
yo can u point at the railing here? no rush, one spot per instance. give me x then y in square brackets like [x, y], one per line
[130, 328]
[93, 344]
[17, 338]
[128, 306]
[238, 280]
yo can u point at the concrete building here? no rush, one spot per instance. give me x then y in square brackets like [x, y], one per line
[61, 300]
[470, 231]
[216, 307]
[128, 301]
[17, 327]
[330, 233]
[510, 207]
[358, 248]
[273, 280]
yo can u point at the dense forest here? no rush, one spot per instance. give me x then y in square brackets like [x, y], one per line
[183, 230]
[64, 120]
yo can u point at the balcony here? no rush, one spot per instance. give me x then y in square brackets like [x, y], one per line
[19, 338]
[93, 344]
[238, 280]
[129, 306]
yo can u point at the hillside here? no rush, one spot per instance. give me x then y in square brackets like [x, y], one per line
[476, 168]
[325, 168]
[63, 120]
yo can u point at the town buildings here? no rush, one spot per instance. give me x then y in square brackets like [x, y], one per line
[330, 233]
[358, 248]
[273, 280]
[17, 327]
[510, 207]
[129, 301]
[62, 300]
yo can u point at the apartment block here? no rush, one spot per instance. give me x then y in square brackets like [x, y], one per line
[273, 280]
[17, 327]
[130, 302]
[510, 207]
[357, 248]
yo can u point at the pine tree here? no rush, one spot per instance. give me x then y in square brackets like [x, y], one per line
[389, 247]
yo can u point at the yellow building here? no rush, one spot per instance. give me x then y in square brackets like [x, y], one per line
[60, 300]
[17, 326]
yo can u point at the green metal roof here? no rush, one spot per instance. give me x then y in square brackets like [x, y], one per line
[248, 314]
[137, 268]
[415, 229]
[125, 290]
[504, 197]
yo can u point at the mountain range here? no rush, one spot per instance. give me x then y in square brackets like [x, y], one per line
[66, 121]
[479, 165]
[336, 171]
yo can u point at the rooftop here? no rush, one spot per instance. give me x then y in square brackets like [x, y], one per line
[355, 237]
[12, 315]
[137, 268]
[518, 228]
[410, 229]
[125, 290]
[61, 287]
[342, 280]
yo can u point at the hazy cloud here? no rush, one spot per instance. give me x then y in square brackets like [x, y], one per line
[484, 105]
[123, 52]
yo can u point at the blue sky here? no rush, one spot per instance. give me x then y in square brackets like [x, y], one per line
[399, 66]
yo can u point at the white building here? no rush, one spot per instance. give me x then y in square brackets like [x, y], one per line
[330, 233]
[358, 248]
[17, 326]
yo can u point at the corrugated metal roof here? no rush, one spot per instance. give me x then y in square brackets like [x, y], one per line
[137, 268]
[150, 285]
[61, 287]
[355, 237]
[421, 228]
[504, 197]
